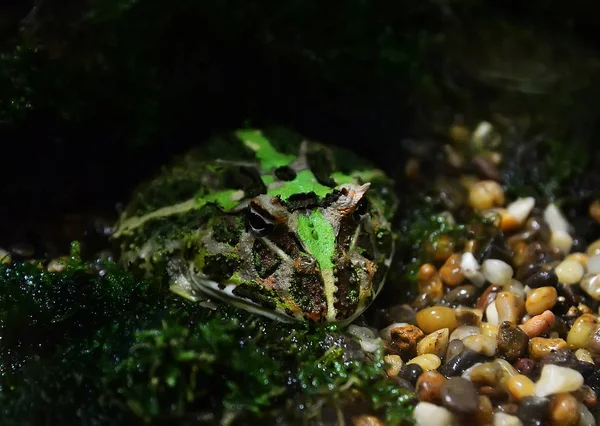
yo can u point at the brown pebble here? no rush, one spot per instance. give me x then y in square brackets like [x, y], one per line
[432, 287]
[539, 324]
[451, 272]
[564, 410]
[435, 318]
[525, 366]
[587, 395]
[508, 408]
[442, 248]
[429, 385]
[595, 210]
[426, 272]
[512, 341]
[484, 414]
[510, 307]
[468, 316]
[539, 347]
[540, 299]
[366, 420]
[404, 341]
[487, 297]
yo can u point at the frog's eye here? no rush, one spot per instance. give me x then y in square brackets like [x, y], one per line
[258, 223]
[361, 209]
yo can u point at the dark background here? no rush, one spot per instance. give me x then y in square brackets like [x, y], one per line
[96, 95]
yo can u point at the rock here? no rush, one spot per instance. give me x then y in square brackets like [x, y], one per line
[555, 379]
[459, 363]
[533, 411]
[564, 410]
[497, 272]
[429, 386]
[512, 341]
[411, 372]
[428, 414]
[459, 395]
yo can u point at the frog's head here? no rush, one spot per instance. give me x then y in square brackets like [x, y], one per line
[321, 259]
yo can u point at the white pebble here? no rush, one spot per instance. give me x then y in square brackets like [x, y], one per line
[463, 331]
[556, 220]
[503, 419]
[481, 344]
[516, 287]
[482, 132]
[593, 265]
[491, 314]
[497, 272]
[562, 241]
[386, 333]
[586, 417]
[590, 283]
[428, 414]
[556, 379]
[520, 208]
[366, 338]
[470, 269]
[569, 271]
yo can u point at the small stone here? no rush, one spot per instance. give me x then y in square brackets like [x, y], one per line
[512, 341]
[569, 271]
[586, 417]
[435, 318]
[451, 272]
[593, 264]
[543, 278]
[454, 348]
[461, 295]
[432, 287]
[463, 331]
[411, 372]
[471, 270]
[515, 287]
[525, 366]
[490, 330]
[555, 219]
[429, 386]
[561, 241]
[533, 411]
[590, 283]
[456, 365]
[434, 343]
[584, 355]
[468, 316]
[510, 307]
[484, 414]
[459, 395]
[366, 420]
[503, 419]
[521, 208]
[556, 379]
[428, 414]
[486, 194]
[22, 250]
[481, 344]
[427, 361]
[491, 314]
[497, 272]
[539, 324]
[594, 248]
[564, 410]
[404, 341]
[486, 373]
[520, 386]
[540, 299]
[581, 331]
[395, 365]
[5, 258]
[594, 210]
[539, 347]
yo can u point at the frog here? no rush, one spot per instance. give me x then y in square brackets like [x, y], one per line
[266, 220]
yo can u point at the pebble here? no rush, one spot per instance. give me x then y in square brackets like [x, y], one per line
[555, 219]
[525, 366]
[434, 343]
[540, 299]
[583, 328]
[429, 386]
[366, 420]
[427, 362]
[586, 417]
[404, 340]
[486, 194]
[512, 341]
[428, 414]
[484, 414]
[564, 410]
[395, 365]
[461, 295]
[521, 208]
[497, 271]
[487, 297]
[533, 410]
[543, 278]
[411, 372]
[539, 347]
[561, 241]
[435, 318]
[490, 330]
[450, 272]
[539, 324]
[22, 250]
[464, 331]
[593, 264]
[520, 386]
[515, 287]
[459, 395]
[590, 283]
[569, 271]
[584, 355]
[456, 365]
[433, 287]
[56, 265]
[503, 419]
[471, 269]
[468, 316]
[556, 379]
[510, 307]
[594, 248]
[454, 348]
[491, 314]
[5, 257]
[481, 344]
[487, 373]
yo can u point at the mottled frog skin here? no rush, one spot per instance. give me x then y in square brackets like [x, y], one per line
[268, 221]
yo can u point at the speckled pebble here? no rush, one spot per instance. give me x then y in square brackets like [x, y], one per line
[539, 347]
[434, 343]
[512, 341]
[459, 395]
[556, 379]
